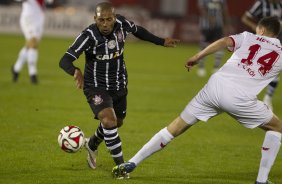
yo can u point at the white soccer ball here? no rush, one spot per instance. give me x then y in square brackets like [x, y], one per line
[71, 139]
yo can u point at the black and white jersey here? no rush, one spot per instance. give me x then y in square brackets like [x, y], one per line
[263, 8]
[104, 64]
[213, 11]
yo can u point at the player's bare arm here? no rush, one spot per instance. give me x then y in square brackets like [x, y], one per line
[78, 77]
[212, 48]
[249, 22]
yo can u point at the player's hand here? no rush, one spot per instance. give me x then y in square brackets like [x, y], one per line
[171, 42]
[78, 77]
[191, 62]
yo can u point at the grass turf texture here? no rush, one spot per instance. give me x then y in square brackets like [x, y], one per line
[31, 117]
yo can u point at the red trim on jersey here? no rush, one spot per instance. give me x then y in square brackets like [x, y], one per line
[41, 3]
[231, 49]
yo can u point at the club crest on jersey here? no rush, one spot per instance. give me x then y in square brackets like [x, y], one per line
[97, 100]
[112, 44]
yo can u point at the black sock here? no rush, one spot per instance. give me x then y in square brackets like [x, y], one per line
[96, 139]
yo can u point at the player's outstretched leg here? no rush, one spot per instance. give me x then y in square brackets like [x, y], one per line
[123, 169]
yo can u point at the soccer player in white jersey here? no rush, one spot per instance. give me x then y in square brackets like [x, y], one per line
[260, 9]
[256, 61]
[31, 23]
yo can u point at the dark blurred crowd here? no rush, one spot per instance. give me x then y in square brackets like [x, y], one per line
[55, 4]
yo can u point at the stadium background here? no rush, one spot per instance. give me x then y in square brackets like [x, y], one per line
[162, 17]
[220, 151]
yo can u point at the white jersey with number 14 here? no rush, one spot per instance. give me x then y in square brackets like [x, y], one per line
[256, 61]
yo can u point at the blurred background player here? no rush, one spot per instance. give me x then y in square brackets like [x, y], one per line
[213, 18]
[32, 24]
[259, 10]
[105, 75]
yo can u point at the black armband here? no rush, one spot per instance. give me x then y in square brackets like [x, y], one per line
[66, 63]
[144, 34]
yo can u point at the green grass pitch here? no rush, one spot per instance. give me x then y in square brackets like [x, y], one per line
[220, 151]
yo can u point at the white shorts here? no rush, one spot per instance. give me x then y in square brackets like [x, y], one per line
[218, 96]
[32, 26]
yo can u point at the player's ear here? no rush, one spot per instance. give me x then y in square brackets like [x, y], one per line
[259, 30]
[263, 30]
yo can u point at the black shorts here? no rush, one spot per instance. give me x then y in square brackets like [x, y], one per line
[100, 99]
[213, 34]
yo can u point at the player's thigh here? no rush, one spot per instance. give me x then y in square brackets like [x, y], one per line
[98, 100]
[120, 104]
[201, 107]
[251, 113]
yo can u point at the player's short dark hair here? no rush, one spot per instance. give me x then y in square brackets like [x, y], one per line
[104, 6]
[272, 24]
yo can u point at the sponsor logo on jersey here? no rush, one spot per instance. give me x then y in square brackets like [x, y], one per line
[112, 44]
[110, 56]
[97, 100]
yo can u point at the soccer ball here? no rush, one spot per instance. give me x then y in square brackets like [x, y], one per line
[71, 139]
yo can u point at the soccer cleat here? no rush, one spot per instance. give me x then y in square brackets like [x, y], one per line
[91, 157]
[117, 174]
[14, 74]
[267, 182]
[268, 101]
[33, 79]
[122, 171]
[201, 72]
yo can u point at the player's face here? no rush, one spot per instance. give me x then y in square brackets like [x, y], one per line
[105, 21]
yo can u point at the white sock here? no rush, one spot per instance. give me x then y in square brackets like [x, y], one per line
[269, 151]
[21, 60]
[157, 142]
[32, 55]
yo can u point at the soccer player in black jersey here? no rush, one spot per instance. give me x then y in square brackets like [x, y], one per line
[259, 10]
[105, 76]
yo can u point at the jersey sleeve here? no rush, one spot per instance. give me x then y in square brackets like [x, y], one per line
[81, 44]
[237, 41]
[138, 31]
[129, 26]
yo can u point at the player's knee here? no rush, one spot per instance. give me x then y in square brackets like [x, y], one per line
[32, 43]
[109, 122]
